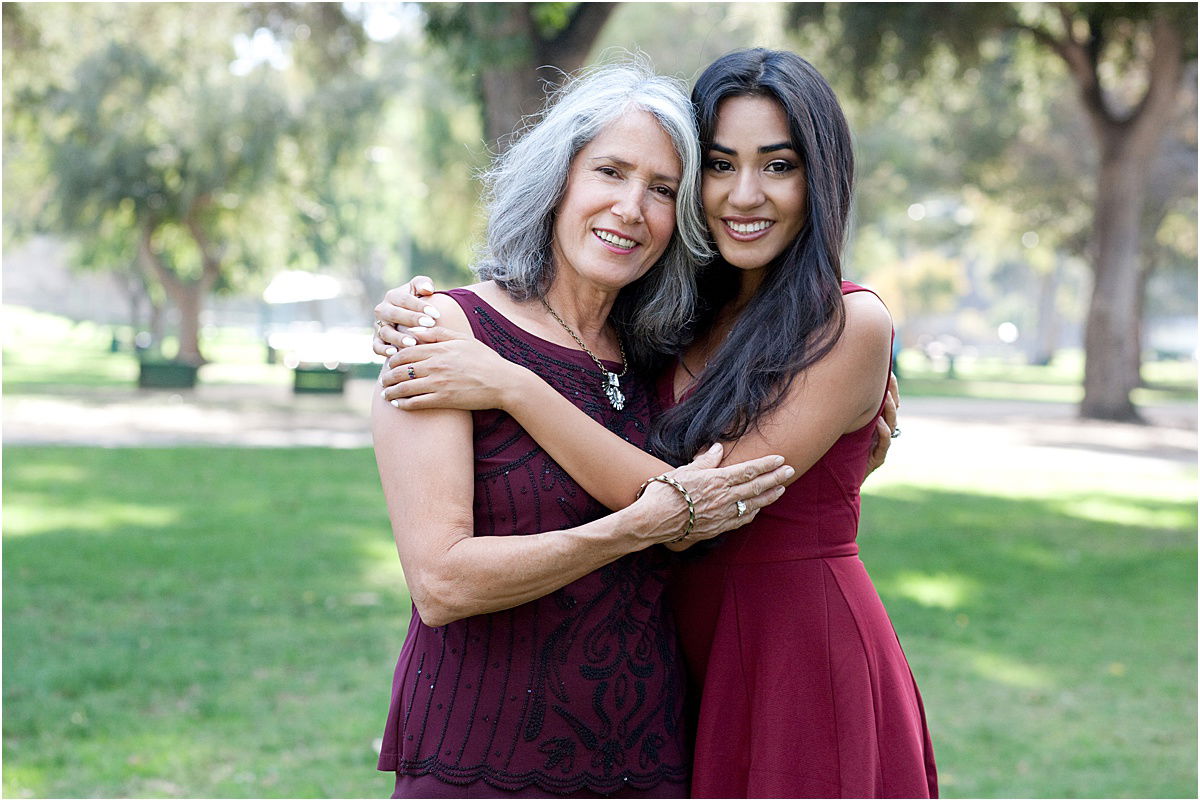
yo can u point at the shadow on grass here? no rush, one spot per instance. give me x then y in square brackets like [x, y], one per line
[224, 622]
[1050, 637]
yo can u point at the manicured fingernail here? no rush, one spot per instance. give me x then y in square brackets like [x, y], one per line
[408, 341]
[788, 471]
[390, 351]
[383, 394]
[433, 312]
[395, 403]
[427, 322]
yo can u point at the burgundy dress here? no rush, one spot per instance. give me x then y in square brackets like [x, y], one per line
[805, 692]
[577, 693]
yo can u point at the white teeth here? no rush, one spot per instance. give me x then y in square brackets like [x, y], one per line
[749, 228]
[613, 239]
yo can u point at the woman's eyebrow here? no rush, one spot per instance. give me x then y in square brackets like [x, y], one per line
[764, 149]
[625, 165]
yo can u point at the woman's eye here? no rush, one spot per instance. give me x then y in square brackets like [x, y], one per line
[609, 171]
[666, 192]
[719, 165]
[780, 166]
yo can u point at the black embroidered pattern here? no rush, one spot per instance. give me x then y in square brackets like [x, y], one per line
[581, 689]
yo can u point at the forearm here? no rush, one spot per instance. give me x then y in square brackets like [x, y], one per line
[609, 468]
[478, 575]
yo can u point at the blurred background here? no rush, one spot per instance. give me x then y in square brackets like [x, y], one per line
[202, 203]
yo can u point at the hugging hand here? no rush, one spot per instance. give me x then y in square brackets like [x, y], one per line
[723, 498]
[402, 317]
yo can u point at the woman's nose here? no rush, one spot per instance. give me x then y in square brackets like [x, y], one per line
[747, 190]
[629, 205]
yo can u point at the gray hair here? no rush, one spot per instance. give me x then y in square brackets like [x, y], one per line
[527, 183]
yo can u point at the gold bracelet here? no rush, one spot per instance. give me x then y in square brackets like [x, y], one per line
[664, 478]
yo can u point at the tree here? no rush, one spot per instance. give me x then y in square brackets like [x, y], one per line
[1126, 62]
[508, 51]
[164, 148]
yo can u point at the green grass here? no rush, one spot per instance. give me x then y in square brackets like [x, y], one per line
[1059, 382]
[196, 622]
[224, 622]
[1050, 621]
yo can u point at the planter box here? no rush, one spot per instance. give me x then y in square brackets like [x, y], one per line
[166, 375]
[319, 380]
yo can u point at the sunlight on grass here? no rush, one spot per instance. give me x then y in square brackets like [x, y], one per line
[1006, 670]
[23, 519]
[934, 590]
[384, 565]
[1127, 511]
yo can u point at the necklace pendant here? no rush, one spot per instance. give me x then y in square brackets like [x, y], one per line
[612, 391]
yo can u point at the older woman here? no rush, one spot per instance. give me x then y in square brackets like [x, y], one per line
[540, 659]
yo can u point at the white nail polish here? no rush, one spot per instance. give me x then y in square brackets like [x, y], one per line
[396, 403]
[391, 351]
[383, 394]
[433, 312]
[427, 322]
[408, 341]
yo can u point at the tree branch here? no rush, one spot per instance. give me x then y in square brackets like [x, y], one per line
[210, 260]
[1166, 70]
[146, 254]
[1081, 59]
[569, 47]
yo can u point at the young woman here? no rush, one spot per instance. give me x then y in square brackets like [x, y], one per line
[804, 688]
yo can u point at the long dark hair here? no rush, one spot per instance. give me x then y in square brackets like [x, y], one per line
[796, 316]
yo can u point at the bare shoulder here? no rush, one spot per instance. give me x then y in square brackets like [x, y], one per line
[452, 315]
[868, 322]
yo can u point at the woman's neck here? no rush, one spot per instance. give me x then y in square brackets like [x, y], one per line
[583, 306]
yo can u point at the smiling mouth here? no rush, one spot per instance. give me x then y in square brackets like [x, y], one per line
[615, 241]
[747, 231]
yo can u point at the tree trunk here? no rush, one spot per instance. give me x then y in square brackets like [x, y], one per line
[1127, 146]
[189, 300]
[1045, 338]
[188, 296]
[516, 87]
[510, 88]
[1110, 342]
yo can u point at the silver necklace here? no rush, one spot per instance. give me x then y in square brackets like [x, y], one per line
[611, 385]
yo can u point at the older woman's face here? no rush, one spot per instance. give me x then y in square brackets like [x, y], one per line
[617, 215]
[754, 186]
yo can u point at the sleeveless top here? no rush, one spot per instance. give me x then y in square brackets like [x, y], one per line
[578, 690]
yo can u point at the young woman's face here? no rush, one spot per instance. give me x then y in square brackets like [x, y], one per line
[617, 215]
[754, 183]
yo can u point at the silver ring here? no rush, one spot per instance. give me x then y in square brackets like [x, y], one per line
[413, 373]
[895, 432]
[741, 507]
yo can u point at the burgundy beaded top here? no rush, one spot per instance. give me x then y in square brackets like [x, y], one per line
[578, 690]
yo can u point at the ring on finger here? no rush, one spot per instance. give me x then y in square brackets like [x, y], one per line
[413, 374]
[379, 324]
[895, 432]
[741, 508]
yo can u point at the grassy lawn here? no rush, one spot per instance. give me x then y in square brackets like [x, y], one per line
[224, 622]
[196, 622]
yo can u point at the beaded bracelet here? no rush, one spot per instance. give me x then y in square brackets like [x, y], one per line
[664, 478]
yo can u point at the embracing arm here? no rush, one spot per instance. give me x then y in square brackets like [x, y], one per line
[453, 574]
[839, 394]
